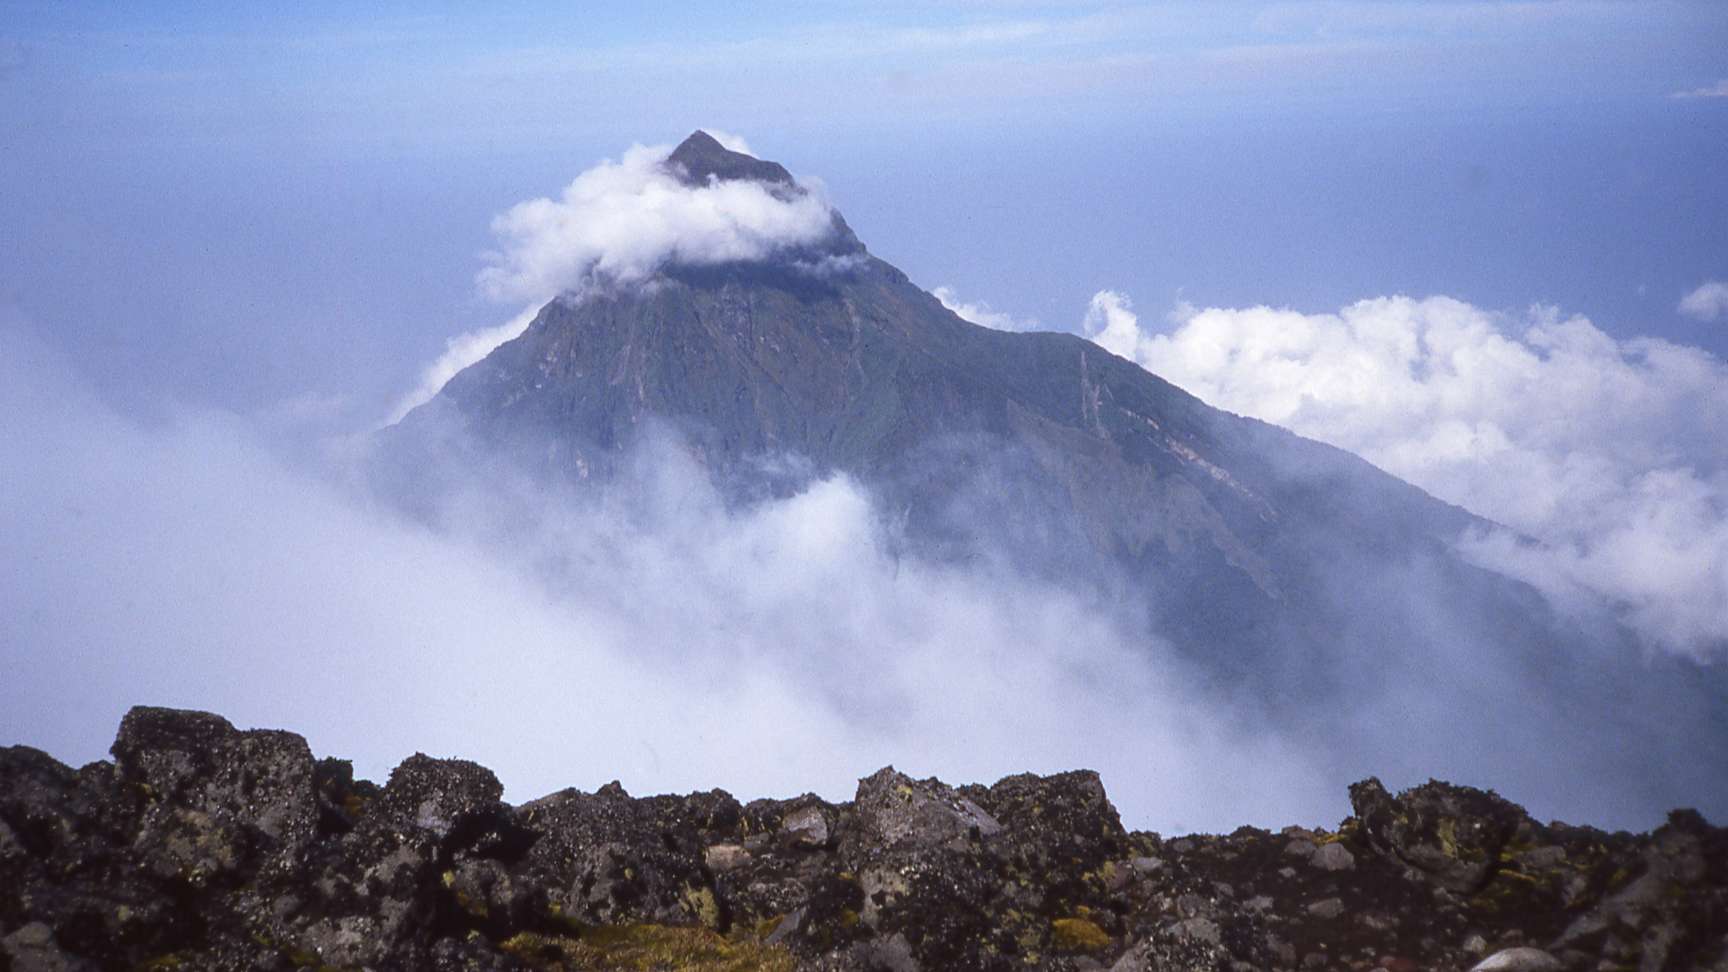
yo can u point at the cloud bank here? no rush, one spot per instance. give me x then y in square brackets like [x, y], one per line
[1708, 302]
[1609, 453]
[650, 635]
[654, 635]
[624, 220]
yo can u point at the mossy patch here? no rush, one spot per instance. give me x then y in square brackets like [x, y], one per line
[647, 948]
[701, 904]
[1078, 935]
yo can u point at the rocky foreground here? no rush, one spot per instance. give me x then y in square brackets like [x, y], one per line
[204, 847]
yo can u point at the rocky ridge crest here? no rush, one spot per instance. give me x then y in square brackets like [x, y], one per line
[201, 846]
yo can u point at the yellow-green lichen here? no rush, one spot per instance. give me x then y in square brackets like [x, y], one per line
[702, 906]
[1078, 935]
[646, 948]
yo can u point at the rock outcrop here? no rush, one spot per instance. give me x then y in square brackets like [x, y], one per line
[205, 847]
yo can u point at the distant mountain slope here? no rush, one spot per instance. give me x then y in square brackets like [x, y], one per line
[1295, 579]
[1040, 447]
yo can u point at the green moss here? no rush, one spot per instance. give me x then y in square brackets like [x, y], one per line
[647, 948]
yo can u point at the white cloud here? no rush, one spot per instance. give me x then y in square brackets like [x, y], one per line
[979, 312]
[624, 220]
[1608, 452]
[1708, 302]
[1111, 321]
[1717, 90]
[460, 352]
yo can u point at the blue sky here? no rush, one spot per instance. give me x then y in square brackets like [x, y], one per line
[241, 206]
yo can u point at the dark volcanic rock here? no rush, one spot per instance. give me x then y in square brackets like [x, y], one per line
[205, 847]
[701, 158]
[1453, 834]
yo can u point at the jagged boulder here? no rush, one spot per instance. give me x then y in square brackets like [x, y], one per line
[1453, 834]
[1667, 904]
[419, 859]
[918, 848]
[605, 858]
[217, 803]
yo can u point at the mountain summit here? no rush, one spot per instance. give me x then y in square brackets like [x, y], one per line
[701, 158]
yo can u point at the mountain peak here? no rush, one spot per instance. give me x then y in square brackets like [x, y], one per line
[701, 158]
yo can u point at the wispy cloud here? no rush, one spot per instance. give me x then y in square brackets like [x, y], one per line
[1343, 17]
[1708, 302]
[1717, 90]
[980, 313]
[460, 352]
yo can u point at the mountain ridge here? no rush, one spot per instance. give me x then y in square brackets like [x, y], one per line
[203, 846]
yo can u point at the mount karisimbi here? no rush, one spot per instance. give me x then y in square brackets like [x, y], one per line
[1274, 562]
[1040, 448]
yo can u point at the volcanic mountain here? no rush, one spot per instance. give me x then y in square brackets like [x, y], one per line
[1247, 545]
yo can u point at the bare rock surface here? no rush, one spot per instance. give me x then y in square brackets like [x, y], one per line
[201, 846]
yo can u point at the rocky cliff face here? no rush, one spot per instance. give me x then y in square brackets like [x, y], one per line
[204, 847]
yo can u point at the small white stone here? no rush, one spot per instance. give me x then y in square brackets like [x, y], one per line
[1518, 960]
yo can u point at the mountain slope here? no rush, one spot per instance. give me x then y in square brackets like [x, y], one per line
[1040, 448]
[1296, 580]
